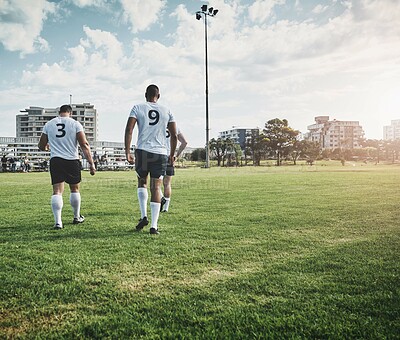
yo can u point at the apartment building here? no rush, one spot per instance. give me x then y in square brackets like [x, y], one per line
[392, 131]
[29, 124]
[334, 134]
[238, 135]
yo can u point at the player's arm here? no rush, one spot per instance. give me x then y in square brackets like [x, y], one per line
[173, 140]
[43, 143]
[183, 143]
[85, 147]
[130, 125]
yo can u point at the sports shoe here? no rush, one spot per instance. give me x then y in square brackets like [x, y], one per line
[78, 220]
[142, 223]
[154, 231]
[57, 226]
[163, 201]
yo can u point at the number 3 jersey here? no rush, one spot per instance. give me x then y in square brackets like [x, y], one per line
[61, 133]
[152, 120]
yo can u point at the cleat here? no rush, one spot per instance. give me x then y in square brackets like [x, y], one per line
[163, 201]
[154, 231]
[142, 223]
[57, 226]
[78, 220]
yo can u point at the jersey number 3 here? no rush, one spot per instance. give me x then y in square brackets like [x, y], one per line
[61, 130]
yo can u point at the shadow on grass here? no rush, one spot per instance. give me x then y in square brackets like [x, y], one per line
[22, 233]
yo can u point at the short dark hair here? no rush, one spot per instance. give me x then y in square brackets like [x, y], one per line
[66, 108]
[152, 91]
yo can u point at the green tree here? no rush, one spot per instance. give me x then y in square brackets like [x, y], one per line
[256, 146]
[234, 154]
[305, 149]
[281, 138]
[216, 145]
[198, 155]
[221, 147]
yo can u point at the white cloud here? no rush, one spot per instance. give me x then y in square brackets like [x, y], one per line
[21, 24]
[142, 14]
[261, 10]
[98, 59]
[102, 40]
[86, 3]
[319, 9]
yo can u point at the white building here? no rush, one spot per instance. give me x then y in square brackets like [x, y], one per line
[334, 134]
[239, 135]
[392, 131]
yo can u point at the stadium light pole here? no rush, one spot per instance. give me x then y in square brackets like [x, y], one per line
[205, 11]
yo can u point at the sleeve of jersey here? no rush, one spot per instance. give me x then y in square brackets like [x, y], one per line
[133, 113]
[45, 129]
[79, 127]
[171, 117]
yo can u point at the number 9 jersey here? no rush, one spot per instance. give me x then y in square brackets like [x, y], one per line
[61, 134]
[152, 120]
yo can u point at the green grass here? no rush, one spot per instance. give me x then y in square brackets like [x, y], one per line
[272, 252]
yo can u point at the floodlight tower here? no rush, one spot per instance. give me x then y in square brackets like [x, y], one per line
[205, 11]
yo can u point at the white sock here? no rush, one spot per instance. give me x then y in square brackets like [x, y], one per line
[56, 206]
[166, 205]
[155, 213]
[75, 200]
[142, 195]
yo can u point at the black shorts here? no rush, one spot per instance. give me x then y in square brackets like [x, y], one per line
[63, 170]
[148, 162]
[170, 170]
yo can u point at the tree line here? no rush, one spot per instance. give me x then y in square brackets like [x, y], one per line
[281, 143]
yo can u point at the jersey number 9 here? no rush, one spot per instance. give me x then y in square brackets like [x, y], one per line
[154, 117]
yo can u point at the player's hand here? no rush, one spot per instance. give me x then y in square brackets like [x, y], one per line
[171, 160]
[129, 158]
[92, 169]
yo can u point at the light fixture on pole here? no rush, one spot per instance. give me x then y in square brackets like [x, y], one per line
[205, 11]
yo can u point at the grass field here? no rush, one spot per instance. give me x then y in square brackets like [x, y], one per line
[245, 253]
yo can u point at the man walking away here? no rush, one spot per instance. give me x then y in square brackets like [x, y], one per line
[167, 181]
[151, 155]
[63, 134]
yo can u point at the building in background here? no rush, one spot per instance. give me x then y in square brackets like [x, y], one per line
[30, 122]
[239, 135]
[335, 134]
[392, 131]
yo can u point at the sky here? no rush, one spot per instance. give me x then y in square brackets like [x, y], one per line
[287, 59]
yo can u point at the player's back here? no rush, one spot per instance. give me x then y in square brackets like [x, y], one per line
[62, 136]
[152, 120]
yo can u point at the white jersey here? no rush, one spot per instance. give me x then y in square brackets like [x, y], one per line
[152, 120]
[169, 139]
[61, 134]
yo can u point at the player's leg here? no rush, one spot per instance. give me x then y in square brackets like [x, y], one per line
[167, 193]
[73, 178]
[57, 181]
[155, 203]
[75, 201]
[157, 170]
[142, 194]
[57, 204]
